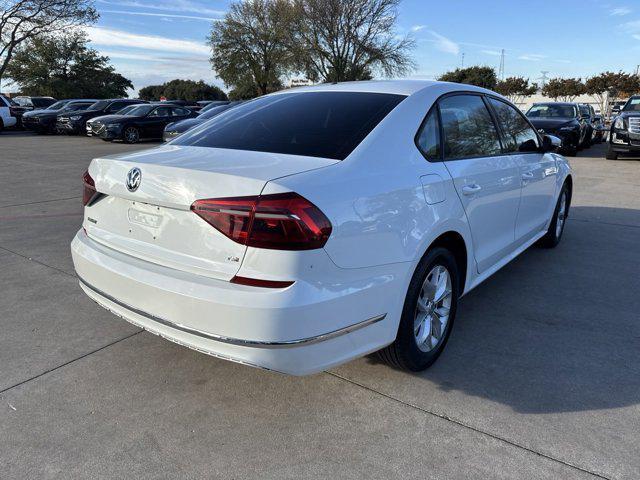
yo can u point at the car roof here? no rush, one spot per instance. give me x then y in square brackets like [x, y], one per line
[396, 87]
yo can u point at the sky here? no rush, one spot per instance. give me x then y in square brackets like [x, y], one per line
[152, 41]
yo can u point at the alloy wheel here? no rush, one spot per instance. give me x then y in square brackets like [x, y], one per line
[562, 214]
[131, 135]
[432, 309]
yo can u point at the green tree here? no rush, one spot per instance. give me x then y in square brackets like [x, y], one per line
[63, 66]
[252, 44]
[564, 89]
[182, 90]
[342, 40]
[479, 76]
[25, 20]
[516, 88]
[150, 92]
[609, 86]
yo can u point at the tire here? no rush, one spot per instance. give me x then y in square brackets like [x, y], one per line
[554, 233]
[130, 135]
[611, 155]
[1, 125]
[415, 348]
[571, 151]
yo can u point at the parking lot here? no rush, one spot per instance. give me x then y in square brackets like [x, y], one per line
[541, 377]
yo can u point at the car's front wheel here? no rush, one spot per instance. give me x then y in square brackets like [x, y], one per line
[560, 214]
[428, 313]
[131, 135]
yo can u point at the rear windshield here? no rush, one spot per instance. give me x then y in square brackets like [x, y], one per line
[314, 124]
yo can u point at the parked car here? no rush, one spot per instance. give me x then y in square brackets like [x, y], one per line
[616, 107]
[90, 123]
[44, 121]
[562, 120]
[191, 105]
[588, 115]
[624, 136]
[24, 104]
[313, 226]
[34, 103]
[143, 121]
[211, 103]
[175, 129]
[7, 118]
[76, 122]
[600, 129]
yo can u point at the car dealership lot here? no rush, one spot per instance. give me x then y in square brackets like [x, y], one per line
[540, 380]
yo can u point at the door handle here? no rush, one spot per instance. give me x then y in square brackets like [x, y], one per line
[527, 176]
[471, 189]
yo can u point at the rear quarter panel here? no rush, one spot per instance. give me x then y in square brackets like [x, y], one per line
[375, 199]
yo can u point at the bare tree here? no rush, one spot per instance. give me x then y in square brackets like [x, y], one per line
[21, 20]
[339, 40]
[251, 44]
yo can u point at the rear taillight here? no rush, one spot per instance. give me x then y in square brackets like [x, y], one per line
[88, 188]
[281, 221]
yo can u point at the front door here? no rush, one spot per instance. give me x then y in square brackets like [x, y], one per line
[538, 170]
[487, 182]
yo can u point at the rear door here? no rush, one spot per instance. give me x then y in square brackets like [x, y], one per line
[537, 170]
[487, 182]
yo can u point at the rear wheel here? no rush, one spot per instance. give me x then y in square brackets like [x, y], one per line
[131, 135]
[556, 227]
[1, 125]
[428, 313]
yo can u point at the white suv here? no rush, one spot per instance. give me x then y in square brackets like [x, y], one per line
[312, 226]
[6, 117]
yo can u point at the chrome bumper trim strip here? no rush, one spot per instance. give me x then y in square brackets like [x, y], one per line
[237, 341]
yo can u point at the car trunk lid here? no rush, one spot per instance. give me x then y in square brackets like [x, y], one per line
[154, 222]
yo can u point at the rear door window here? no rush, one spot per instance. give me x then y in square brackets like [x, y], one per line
[517, 134]
[468, 128]
[314, 124]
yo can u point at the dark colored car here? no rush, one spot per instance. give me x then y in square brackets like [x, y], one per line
[76, 122]
[175, 129]
[624, 136]
[562, 120]
[594, 124]
[204, 104]
[23, 105]
[143, 121]
[44, 121]
[34, 103]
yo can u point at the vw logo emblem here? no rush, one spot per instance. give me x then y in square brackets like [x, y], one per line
[134, 177]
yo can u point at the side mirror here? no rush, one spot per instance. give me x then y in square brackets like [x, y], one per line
[550, 143]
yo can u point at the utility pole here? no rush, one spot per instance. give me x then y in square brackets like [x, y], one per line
[462, 62]
[544, 77]
[501, 69]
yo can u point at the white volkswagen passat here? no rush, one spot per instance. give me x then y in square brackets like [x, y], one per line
[312, 226]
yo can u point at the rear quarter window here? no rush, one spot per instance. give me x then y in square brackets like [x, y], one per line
[314, 124]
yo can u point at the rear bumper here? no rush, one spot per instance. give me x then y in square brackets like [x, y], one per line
[299, 330]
